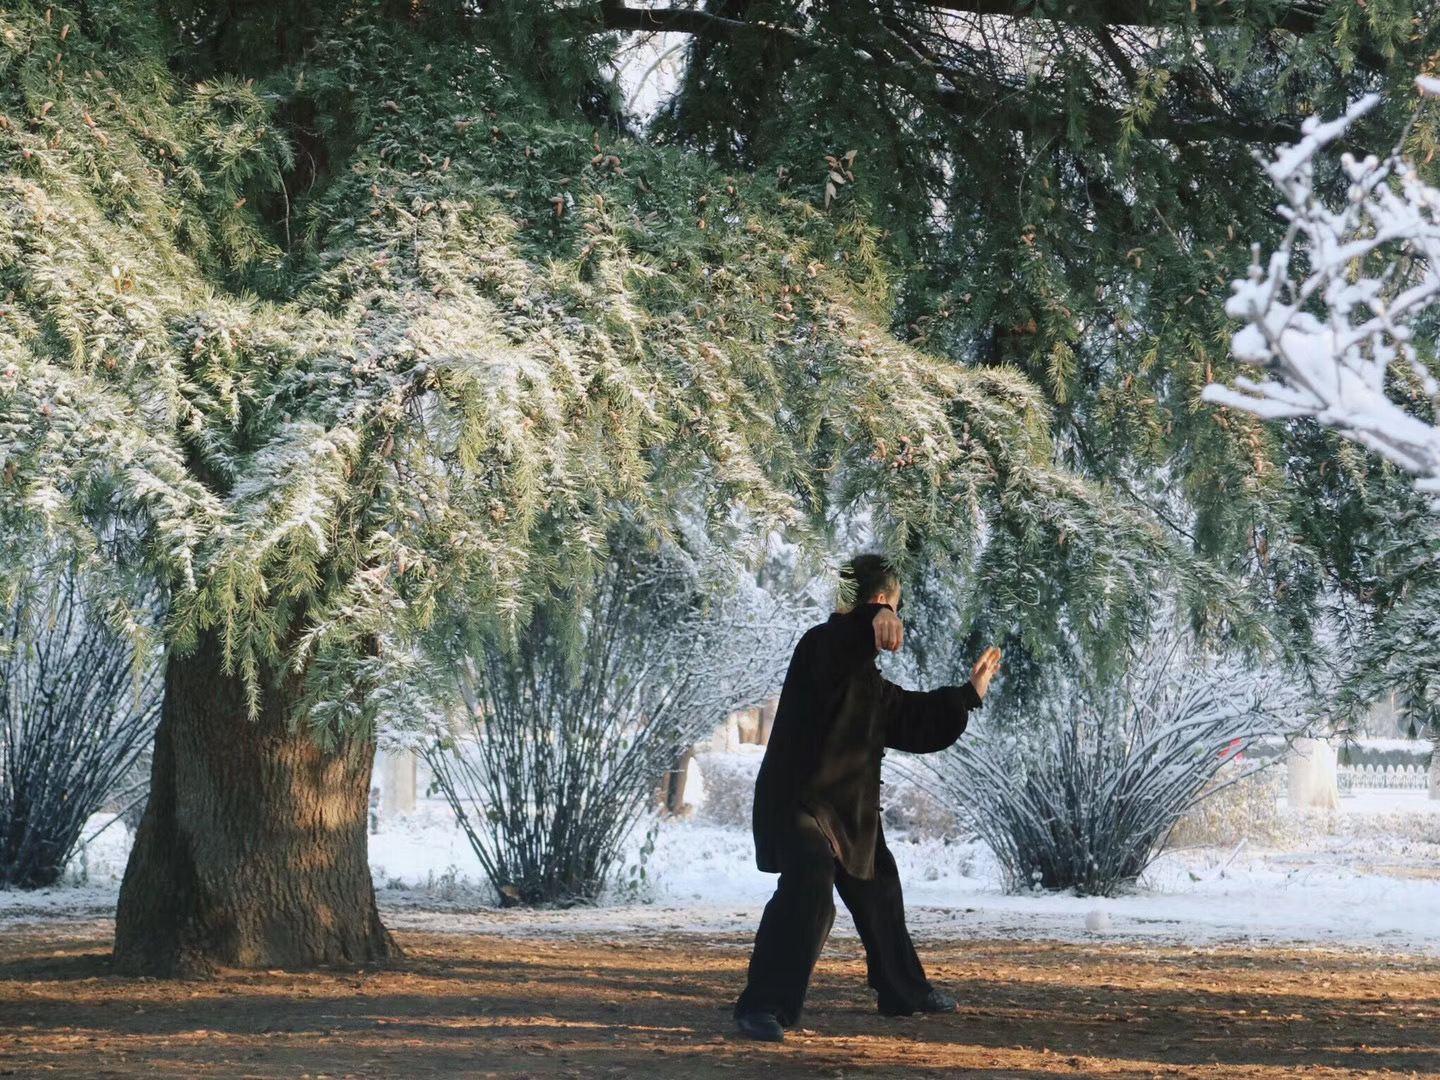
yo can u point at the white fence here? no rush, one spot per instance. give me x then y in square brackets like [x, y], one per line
[1385, 777]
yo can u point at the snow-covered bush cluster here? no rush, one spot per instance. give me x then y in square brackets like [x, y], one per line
[911, 807]
[76, 716]
[567, 735]
[1244, 807]
[1332, 315]
[729, 786]
[1086, 794]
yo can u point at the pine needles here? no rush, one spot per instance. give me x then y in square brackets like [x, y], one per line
[490, 332]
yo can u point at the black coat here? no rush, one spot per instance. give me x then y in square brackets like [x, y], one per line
[837, 714]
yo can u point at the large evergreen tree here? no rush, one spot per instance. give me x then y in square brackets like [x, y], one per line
[358, 318]
[359, 329]
[1068, 190]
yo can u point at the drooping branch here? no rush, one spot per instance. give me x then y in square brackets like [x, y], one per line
[922, 76]
[616, 16]
[966, 94]
[1295, 18]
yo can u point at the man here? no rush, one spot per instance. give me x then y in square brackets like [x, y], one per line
[817, 805]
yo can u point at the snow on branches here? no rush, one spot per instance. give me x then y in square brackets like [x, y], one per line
[565, 736]
[1084, 794]
[1332, 316]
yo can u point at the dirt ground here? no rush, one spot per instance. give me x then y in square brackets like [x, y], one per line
[495, 1007]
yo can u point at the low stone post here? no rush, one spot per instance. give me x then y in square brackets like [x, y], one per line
[395, 777]
[1313, 775]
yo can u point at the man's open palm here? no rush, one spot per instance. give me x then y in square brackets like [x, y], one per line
[985, 667]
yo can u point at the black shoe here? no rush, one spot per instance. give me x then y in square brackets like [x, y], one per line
[935, 1002]
[760, 1025]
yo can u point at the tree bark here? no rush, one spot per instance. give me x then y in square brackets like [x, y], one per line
[252, 849]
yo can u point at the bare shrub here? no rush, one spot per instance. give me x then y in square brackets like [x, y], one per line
[729, 787]
[1242, 802]
[912, 807]
[907, 806]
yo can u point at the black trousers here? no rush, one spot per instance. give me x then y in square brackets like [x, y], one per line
[798, 918]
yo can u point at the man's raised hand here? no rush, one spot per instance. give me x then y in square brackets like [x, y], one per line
[889, 630]
[985, 667]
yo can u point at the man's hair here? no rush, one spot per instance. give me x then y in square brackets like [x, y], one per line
[864, 576]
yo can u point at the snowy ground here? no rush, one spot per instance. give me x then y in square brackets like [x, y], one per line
[1367, 876]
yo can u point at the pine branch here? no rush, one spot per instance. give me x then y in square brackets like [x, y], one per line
[1296, 18]
[617, 16]
[1293, 18]
[994, 100]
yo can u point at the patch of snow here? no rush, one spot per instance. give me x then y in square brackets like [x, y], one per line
[1363, 878]
[1380, 801]
[424, 851]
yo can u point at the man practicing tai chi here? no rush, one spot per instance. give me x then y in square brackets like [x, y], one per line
[817, 805]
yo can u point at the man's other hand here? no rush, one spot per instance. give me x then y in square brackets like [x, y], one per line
[889, 630]
[985, 667]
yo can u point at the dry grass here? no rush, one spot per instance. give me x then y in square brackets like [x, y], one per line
[1249, 808]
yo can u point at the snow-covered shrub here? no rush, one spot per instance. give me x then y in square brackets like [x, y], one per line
[567, 736]
[729, 786]
[1334, 314]
[1087, 794]
[74, 721]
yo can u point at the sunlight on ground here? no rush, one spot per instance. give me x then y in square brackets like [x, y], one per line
[488, 1006]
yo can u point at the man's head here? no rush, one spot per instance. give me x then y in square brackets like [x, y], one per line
[868, 579]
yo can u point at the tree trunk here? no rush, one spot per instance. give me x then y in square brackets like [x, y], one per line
[252, 849]
[767, 719]
[672, 789]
